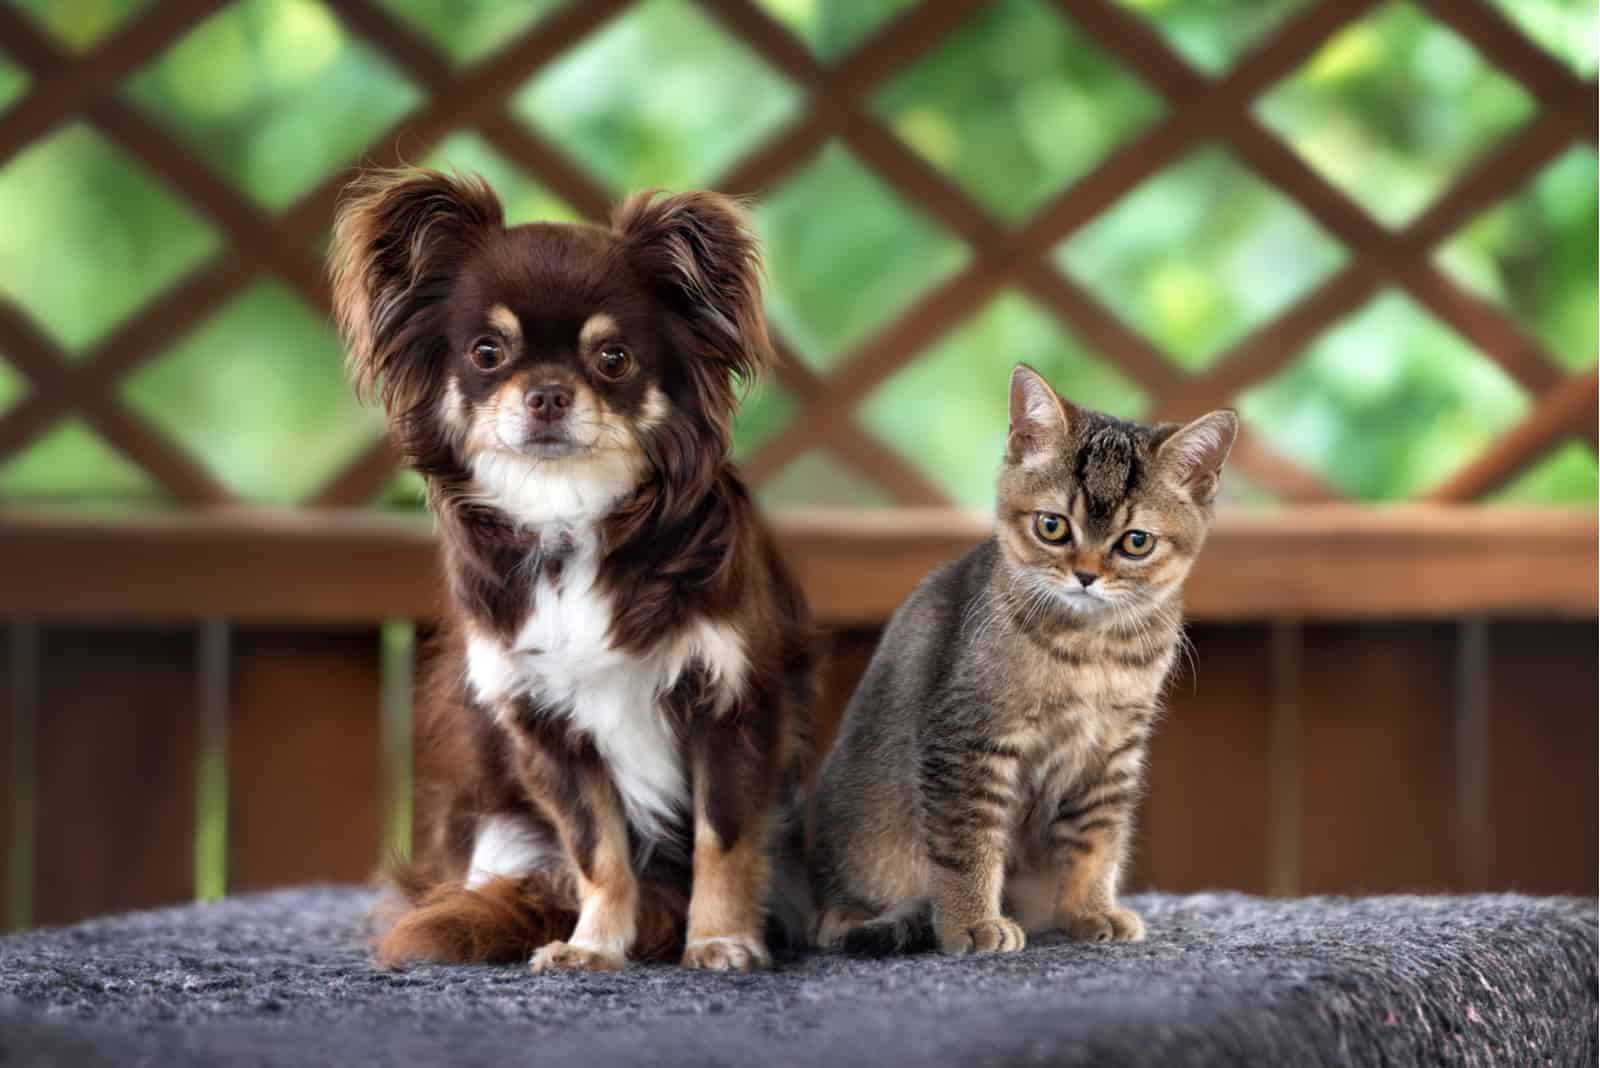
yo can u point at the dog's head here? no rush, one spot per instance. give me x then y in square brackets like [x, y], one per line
[575, 361]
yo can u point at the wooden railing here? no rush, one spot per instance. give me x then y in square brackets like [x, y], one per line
[1377, 700]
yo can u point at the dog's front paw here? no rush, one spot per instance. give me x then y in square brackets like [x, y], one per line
[566, 957]
[999, 934]
[727, 953]
[1114, 924]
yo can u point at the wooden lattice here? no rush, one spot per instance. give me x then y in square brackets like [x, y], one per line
[1199, 108]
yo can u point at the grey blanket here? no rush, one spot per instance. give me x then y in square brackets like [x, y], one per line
[1224, 980]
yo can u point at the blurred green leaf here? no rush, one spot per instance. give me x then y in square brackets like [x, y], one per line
[275, 93]
[1534, 255]
[1385, 405]
[946, 412]
[661, 96]
[12, 387]
[1200, 255]
[1211, 34]
[79, 24]
[833, 27]
[767, 409]
[1568, 475]
[402, 493]
[1393, 107]
[98, 239]
[13, 81]
[1015, 105]
[71, 464]
[258, 396]
[1570, 29]
[816, 479]
[525, 199]
[844, 255]
[468, 30]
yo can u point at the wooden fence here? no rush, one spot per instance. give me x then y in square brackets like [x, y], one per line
[1377, 700]
[216, 699]
[1199, 109]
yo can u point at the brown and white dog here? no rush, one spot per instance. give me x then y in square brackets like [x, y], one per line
[618, 716]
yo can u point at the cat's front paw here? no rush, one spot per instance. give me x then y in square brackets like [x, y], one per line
[566, 957]
[1113, 924]
[727, 953]
[997, 935]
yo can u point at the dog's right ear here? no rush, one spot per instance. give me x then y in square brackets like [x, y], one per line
[399, 240]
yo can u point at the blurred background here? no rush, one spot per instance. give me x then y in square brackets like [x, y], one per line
[1371, 227]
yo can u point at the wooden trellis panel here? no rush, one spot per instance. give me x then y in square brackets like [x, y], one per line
[1200, 108]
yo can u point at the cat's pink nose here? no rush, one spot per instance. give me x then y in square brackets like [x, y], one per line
[1086, 578]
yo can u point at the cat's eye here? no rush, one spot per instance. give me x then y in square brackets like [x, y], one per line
[486, 354]
[1137, 543]
[614, 362]
[1051, 529]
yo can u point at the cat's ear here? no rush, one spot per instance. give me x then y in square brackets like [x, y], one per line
[1040, 419]
[1192, 456]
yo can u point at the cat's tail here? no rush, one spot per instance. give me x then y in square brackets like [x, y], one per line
[504, 921]
[907, 928]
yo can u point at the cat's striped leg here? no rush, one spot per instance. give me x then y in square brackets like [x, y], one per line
[969, 797]
[1090, 835]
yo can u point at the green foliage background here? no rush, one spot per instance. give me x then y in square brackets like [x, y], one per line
[1017, 104]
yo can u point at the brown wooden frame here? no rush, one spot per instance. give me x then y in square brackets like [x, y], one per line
[1313, 563]
[66, 87]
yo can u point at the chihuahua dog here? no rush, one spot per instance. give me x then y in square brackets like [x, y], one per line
[620, 707]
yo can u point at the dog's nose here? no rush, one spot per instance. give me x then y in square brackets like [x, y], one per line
[1086, 578]
[549, 402]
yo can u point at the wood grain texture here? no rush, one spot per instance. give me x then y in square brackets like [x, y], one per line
[116, 743]
[1407, 562]
[1206, 821]
[1543, 741]
[1377, 759]
[305, 779]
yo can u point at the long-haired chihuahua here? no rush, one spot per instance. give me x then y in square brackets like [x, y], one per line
[618, 713]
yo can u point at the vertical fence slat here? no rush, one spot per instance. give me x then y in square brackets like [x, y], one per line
[116, 748]
[305, 780]
[1205, 822]
[1543, 737]
[1377, 759]
[10, 781]
[845, 658]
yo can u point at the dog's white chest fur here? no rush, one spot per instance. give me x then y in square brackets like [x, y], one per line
[563, 657]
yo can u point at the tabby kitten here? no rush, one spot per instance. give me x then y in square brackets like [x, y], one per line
[984, 782]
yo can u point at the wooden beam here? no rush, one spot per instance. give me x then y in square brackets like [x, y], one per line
[1313, 563]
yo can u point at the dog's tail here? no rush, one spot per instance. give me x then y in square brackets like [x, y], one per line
[905, 929]
[504, 921]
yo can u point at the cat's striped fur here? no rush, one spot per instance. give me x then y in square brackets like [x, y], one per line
[990, 764]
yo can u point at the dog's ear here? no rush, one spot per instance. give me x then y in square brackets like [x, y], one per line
[699, 254]
[399, 240]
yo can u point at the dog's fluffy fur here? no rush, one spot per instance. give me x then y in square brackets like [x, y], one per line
[619, 707]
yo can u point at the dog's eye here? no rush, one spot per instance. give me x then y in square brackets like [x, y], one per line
[614, 362]
[1051, 528]
[486, 354]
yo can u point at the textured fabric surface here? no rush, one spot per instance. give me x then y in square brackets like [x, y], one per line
[1224, 979]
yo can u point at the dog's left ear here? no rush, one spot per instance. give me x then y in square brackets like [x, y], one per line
[699, 252]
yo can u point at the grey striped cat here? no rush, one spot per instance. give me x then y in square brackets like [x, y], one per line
[986, 774]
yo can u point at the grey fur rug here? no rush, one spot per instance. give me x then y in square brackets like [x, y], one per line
[1224, 980]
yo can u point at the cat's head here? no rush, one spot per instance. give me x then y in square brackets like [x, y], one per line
[1100, 515]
